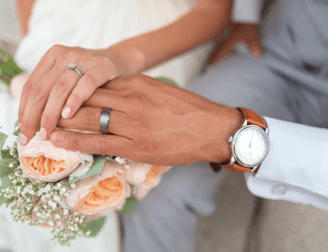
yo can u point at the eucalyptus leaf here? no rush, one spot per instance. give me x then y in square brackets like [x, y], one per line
[7, 70]
[95, 226]
[17, 129]
[4, 182]
[4, 159]
[4, 169]
[95, 169]
[168, 80]
[3, 138]
[129, 206]
[4, 200]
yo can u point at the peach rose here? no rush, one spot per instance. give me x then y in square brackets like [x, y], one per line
[42, 161]
[101, 194]
[144, 177]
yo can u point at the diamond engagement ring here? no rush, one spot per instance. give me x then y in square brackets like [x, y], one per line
[73, 67]
[104, 120]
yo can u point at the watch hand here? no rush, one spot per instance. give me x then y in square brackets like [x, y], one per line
[250, 143]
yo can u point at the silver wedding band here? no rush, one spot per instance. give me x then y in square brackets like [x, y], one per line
[104, 120]
[73, 67]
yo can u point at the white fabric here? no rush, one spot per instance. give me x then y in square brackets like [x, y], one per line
[67, 22]
[296, 166]
[247, 11]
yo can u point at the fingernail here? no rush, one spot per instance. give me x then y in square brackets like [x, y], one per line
[22, 139]
[57, 137]
[43, 133]
[66, 112]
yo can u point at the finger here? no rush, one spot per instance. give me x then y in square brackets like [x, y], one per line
[88, 119]
[256, 48]
[86, 86]
[44, 66]
[58, 97]
[118, 84]
[224, 49]
[56, 101]
[37, 98]
[104, 98]
[93, 143]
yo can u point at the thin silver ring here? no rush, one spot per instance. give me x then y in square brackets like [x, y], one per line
[73, 67]
[104, 120]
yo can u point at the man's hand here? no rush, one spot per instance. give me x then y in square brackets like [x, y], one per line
[152, 122]
[240, 32]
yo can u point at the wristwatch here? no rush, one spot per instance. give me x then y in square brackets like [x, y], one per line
[249, 145]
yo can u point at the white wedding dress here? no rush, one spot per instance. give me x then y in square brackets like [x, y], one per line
[89, 24]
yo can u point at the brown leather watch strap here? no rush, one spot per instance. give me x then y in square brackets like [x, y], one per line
[252, 118]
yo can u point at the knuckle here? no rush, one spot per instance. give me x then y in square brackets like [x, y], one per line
[135, 98]
[72, 54]
[55, 50]
[60, 87]
[101, 145]
[37, 94]
[75, 99]
[89, 117]
[90, 80]
[140, 80]
[106, 61]
[27, 88]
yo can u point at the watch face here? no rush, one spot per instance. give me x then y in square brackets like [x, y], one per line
[251, 145]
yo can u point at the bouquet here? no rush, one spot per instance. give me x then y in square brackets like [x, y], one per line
[69, 192]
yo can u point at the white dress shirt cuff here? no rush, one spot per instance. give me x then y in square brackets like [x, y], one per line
[247, 11]
[295, 168]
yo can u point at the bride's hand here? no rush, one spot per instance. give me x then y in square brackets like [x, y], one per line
[51, 91]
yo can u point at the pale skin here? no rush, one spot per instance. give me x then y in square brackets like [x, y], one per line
[180, 128]
[51, 93]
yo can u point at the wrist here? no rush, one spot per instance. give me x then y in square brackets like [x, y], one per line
[129, 59]
[228, 121]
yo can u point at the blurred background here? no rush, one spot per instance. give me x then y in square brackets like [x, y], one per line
[241, 222]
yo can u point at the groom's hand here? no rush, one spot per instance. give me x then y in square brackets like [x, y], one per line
[152, 122]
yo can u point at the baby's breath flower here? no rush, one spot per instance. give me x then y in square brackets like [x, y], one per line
[120, 160]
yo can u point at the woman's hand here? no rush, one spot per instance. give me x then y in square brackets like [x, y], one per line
[152, 122]
[51, 91]
[240, 32]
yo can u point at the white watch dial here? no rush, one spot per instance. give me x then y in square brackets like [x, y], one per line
[251, 145]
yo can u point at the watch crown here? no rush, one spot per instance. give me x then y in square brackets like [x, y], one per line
[230, 139]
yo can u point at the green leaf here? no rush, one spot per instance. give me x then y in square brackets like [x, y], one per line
[95, 169]
[4, 182]
[17, 129]
[4, 168]
[95, 226]
[3, 138]
[4, 162]
[168, 80]
[7, 70]
[129, 206]
[4, 200]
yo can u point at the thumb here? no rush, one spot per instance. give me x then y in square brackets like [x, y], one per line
[256, 48]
